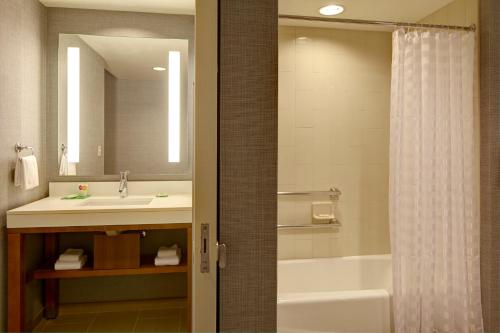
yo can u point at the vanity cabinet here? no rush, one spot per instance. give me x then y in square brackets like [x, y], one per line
[18, 277]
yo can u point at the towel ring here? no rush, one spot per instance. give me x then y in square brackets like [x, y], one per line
[19, 148]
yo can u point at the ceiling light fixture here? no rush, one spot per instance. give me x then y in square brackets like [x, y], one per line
[159, 69]
[331, 10]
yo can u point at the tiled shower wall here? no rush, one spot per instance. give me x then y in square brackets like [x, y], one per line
[334, 101]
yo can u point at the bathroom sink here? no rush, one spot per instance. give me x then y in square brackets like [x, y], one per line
[118, 202]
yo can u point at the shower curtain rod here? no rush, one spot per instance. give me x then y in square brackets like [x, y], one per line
[384, 23]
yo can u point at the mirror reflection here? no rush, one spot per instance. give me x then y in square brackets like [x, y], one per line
[122, 105]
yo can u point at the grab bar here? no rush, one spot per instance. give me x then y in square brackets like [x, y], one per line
[333, 191]
[310, 226]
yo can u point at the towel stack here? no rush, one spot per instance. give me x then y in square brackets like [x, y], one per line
[71, 259]
[168, 256]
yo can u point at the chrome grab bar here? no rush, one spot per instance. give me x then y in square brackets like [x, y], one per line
[310, 226]
[333, 192]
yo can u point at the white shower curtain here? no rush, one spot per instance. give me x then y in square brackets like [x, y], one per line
[434, 204]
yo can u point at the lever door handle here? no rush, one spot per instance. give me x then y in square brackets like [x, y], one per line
[221, 255]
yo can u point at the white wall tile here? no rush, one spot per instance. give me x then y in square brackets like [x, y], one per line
[322, 150]
[375, 144]
[322, 243]
[286, 210]
[304, 177]
[336, 101]
[303, 145]
[303, 210]
[286, 61]
[286, 90]
[375, 180]
[303, 248]
[286, 127]
[286, 245]
[286, 165]
[336, 247]
[304, 113]
[304, 54]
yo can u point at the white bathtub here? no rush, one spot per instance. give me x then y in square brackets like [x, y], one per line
[341, 295]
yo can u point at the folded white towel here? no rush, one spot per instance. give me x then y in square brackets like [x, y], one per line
[71, 255]
[26, 173]
[167, 251]
[70, 265]
[169, 261]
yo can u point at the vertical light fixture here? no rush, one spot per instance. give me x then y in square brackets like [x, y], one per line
[174, 106]
[73, 108]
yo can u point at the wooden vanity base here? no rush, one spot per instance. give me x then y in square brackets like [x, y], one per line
[15, 282]
[17, 277]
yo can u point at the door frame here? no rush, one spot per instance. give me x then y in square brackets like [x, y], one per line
[235, 164]
[205, 164]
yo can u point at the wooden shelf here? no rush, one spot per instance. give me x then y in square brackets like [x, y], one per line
[47, 271]
[99, 228]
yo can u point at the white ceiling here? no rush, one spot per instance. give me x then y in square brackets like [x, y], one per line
[134, 58]
[145, 6]
[388, 10]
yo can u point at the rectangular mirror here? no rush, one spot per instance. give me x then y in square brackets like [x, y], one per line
[122, 105]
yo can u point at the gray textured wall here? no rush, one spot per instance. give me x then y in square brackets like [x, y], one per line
[490, 163]
[136, 127]
[248, 148]
[22, 117]
[117, 24]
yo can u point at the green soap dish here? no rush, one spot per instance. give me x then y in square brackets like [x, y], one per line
[162, 195]
[75, 197]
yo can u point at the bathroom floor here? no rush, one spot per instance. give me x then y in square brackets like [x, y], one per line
[138, 316]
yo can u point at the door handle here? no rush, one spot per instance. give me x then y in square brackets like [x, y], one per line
[221, 255]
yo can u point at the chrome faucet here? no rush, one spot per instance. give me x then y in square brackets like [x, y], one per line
[123, 184]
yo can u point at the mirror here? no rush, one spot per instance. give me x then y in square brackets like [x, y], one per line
[122, 105]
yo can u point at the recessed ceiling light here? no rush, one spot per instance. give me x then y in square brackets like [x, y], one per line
[331, 10]
[159, 69]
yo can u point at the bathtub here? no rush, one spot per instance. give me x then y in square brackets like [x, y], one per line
[341, 295]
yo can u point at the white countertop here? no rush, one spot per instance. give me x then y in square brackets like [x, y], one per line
[56, 205]
[54, 211]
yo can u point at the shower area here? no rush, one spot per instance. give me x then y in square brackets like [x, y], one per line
[377, 156]
[334, 246]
